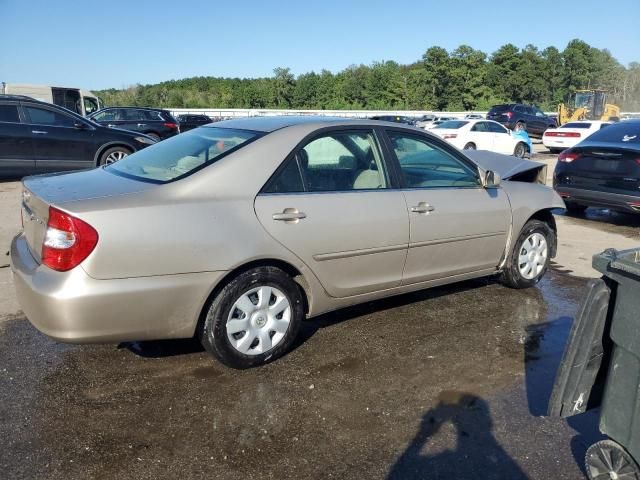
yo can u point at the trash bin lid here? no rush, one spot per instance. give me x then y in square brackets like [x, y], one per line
[627, 261]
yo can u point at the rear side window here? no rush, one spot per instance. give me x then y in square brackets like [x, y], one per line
[42, 116]
[181, 155]
[576, 125]
[624, 133]
[9, 113]
[105, 116]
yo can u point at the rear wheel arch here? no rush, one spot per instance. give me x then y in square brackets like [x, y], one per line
[286, 267]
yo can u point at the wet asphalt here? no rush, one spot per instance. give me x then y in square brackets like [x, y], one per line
[449, 383]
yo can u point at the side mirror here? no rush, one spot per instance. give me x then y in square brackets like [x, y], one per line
[491, 179]
[80, 125]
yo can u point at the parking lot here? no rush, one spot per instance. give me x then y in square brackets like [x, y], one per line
[451, 381]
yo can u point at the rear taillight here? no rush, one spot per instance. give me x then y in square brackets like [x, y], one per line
[568, 157]
[67, 242]
[562, 134]
[171, 125]
[509, 115]
[450, 135]
[638, 161]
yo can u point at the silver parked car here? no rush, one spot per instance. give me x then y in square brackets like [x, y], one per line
[236, 232]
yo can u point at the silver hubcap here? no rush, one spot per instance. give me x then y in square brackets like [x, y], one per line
[115, 156]
[258, 320]
[533, 256]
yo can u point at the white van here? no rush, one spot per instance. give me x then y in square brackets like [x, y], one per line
[80, 101]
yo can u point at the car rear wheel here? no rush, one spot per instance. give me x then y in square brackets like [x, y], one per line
[113, 154]
[529, 259]
[254, 319]
[520, 150]
[470, 146]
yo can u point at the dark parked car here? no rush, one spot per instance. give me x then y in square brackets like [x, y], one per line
[534, 120]
[155, 122]
[395, 118]
[38, 137]
[603, 170]
[189, 122]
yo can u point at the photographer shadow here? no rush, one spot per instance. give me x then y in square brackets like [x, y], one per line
[477, 454]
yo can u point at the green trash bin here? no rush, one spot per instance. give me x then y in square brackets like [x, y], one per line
[601, 365]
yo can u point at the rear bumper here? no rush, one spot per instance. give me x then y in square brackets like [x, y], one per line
[595, 198]
[74, 307]
[559, 142]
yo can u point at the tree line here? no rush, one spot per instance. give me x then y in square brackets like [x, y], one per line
[463, 79]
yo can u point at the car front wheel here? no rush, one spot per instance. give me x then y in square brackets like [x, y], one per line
[113, 154]
[254, 319]
[520, 150]
[529, 259]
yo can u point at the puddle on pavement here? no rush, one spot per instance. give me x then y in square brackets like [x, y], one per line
[358, 383]
[608, 221]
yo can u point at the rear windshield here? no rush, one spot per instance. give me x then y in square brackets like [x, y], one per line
[624, 133]
[576, 125]
[181, 155]
[500, 108]
[452, 124]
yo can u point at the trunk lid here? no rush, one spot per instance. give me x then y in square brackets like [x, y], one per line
[61, 189]
[607, 169]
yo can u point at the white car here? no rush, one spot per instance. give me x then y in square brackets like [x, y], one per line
[481, 135]
[570, 134]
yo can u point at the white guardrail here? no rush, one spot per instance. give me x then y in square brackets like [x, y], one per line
[263, 112]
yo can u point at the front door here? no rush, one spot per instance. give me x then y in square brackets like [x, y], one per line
[332, 206]
[481, 136]
[58, 143]
[456, 225]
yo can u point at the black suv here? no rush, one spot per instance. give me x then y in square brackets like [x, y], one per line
[534, 121]
[155, 122]
[191, 121]
[38, 137]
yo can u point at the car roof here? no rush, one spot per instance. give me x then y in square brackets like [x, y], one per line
[273, 123]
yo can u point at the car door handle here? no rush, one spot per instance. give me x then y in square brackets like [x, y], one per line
[39, 132]
[289, 215]
[111, 125]
[142, 124]
[422, 207]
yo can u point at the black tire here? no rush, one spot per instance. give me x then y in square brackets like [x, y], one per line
[511, 275]
[110, 155]
[606, 457]
[155, 136]
[555, 150]
[520, 151]
[213, 331]
[575, 207]
[470, 146]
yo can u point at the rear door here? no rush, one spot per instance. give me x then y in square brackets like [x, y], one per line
[332, 205]
[456, 225]
[16, 147]
[58, 144]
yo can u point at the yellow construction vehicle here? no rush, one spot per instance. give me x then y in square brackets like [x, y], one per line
[587, 105]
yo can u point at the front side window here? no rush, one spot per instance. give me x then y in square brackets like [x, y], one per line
[181, 155]
[496, 128]
[42, 116]
[424, 164]
[105, 116]
[9, 113]
[480, 127]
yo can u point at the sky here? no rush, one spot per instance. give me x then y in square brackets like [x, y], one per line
[116, 43]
